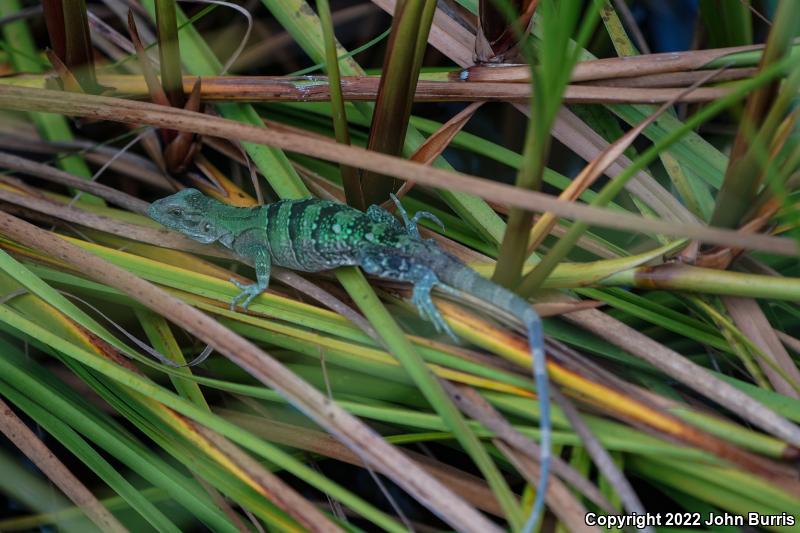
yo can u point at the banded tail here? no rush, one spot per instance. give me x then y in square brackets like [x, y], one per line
[459, 276]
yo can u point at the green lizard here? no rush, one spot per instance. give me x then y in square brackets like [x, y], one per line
[311, 235]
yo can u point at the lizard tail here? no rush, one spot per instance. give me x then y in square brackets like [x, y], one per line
[463, 278]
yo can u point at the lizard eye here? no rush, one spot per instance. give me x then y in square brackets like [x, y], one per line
[207, 227]
[175, 211]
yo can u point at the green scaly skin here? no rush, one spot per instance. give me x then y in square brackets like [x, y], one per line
[312, 235]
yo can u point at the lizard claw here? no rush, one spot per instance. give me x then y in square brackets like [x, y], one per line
[430, 216]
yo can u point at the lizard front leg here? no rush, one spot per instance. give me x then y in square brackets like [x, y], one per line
[263, 265]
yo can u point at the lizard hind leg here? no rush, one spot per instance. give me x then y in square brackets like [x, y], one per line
[389, 264]
[421, 298]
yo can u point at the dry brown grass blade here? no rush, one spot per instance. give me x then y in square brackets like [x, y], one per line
[601, 458]
[34, 449]
[474, 490]
[365, 88]
[54, 175]
[435, 145]
[156, 91]
[587, 143]
[790, 342]
[686, 372]
[128, 164]
[105, 108]
[616, 67]
[284, 496]
[675, 79]
[750, 319]
[441, 138]
[357, 436]
[559, 499]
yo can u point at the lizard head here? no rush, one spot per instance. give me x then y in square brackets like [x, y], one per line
[189, 212]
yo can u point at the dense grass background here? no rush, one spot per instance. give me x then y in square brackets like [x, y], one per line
[670, 306]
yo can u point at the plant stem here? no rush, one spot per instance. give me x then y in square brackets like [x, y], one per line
[350, 180]
[169, 51]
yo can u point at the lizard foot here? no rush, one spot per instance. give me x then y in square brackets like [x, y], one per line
[249, 291]
[421, 298]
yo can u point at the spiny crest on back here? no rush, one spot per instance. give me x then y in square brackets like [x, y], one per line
[186, 211]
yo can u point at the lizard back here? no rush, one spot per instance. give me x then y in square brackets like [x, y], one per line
[312, 235]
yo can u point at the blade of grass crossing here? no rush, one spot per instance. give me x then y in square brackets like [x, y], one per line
[350, 180]
[549, 80]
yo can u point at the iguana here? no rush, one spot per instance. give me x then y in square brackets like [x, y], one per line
[312, 235]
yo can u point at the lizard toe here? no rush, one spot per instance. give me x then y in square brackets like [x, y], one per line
[250, 297]
[235, 300]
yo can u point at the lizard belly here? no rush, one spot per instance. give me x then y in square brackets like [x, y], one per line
[306, 258]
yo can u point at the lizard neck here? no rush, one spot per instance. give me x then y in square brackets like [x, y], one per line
[231, 221]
